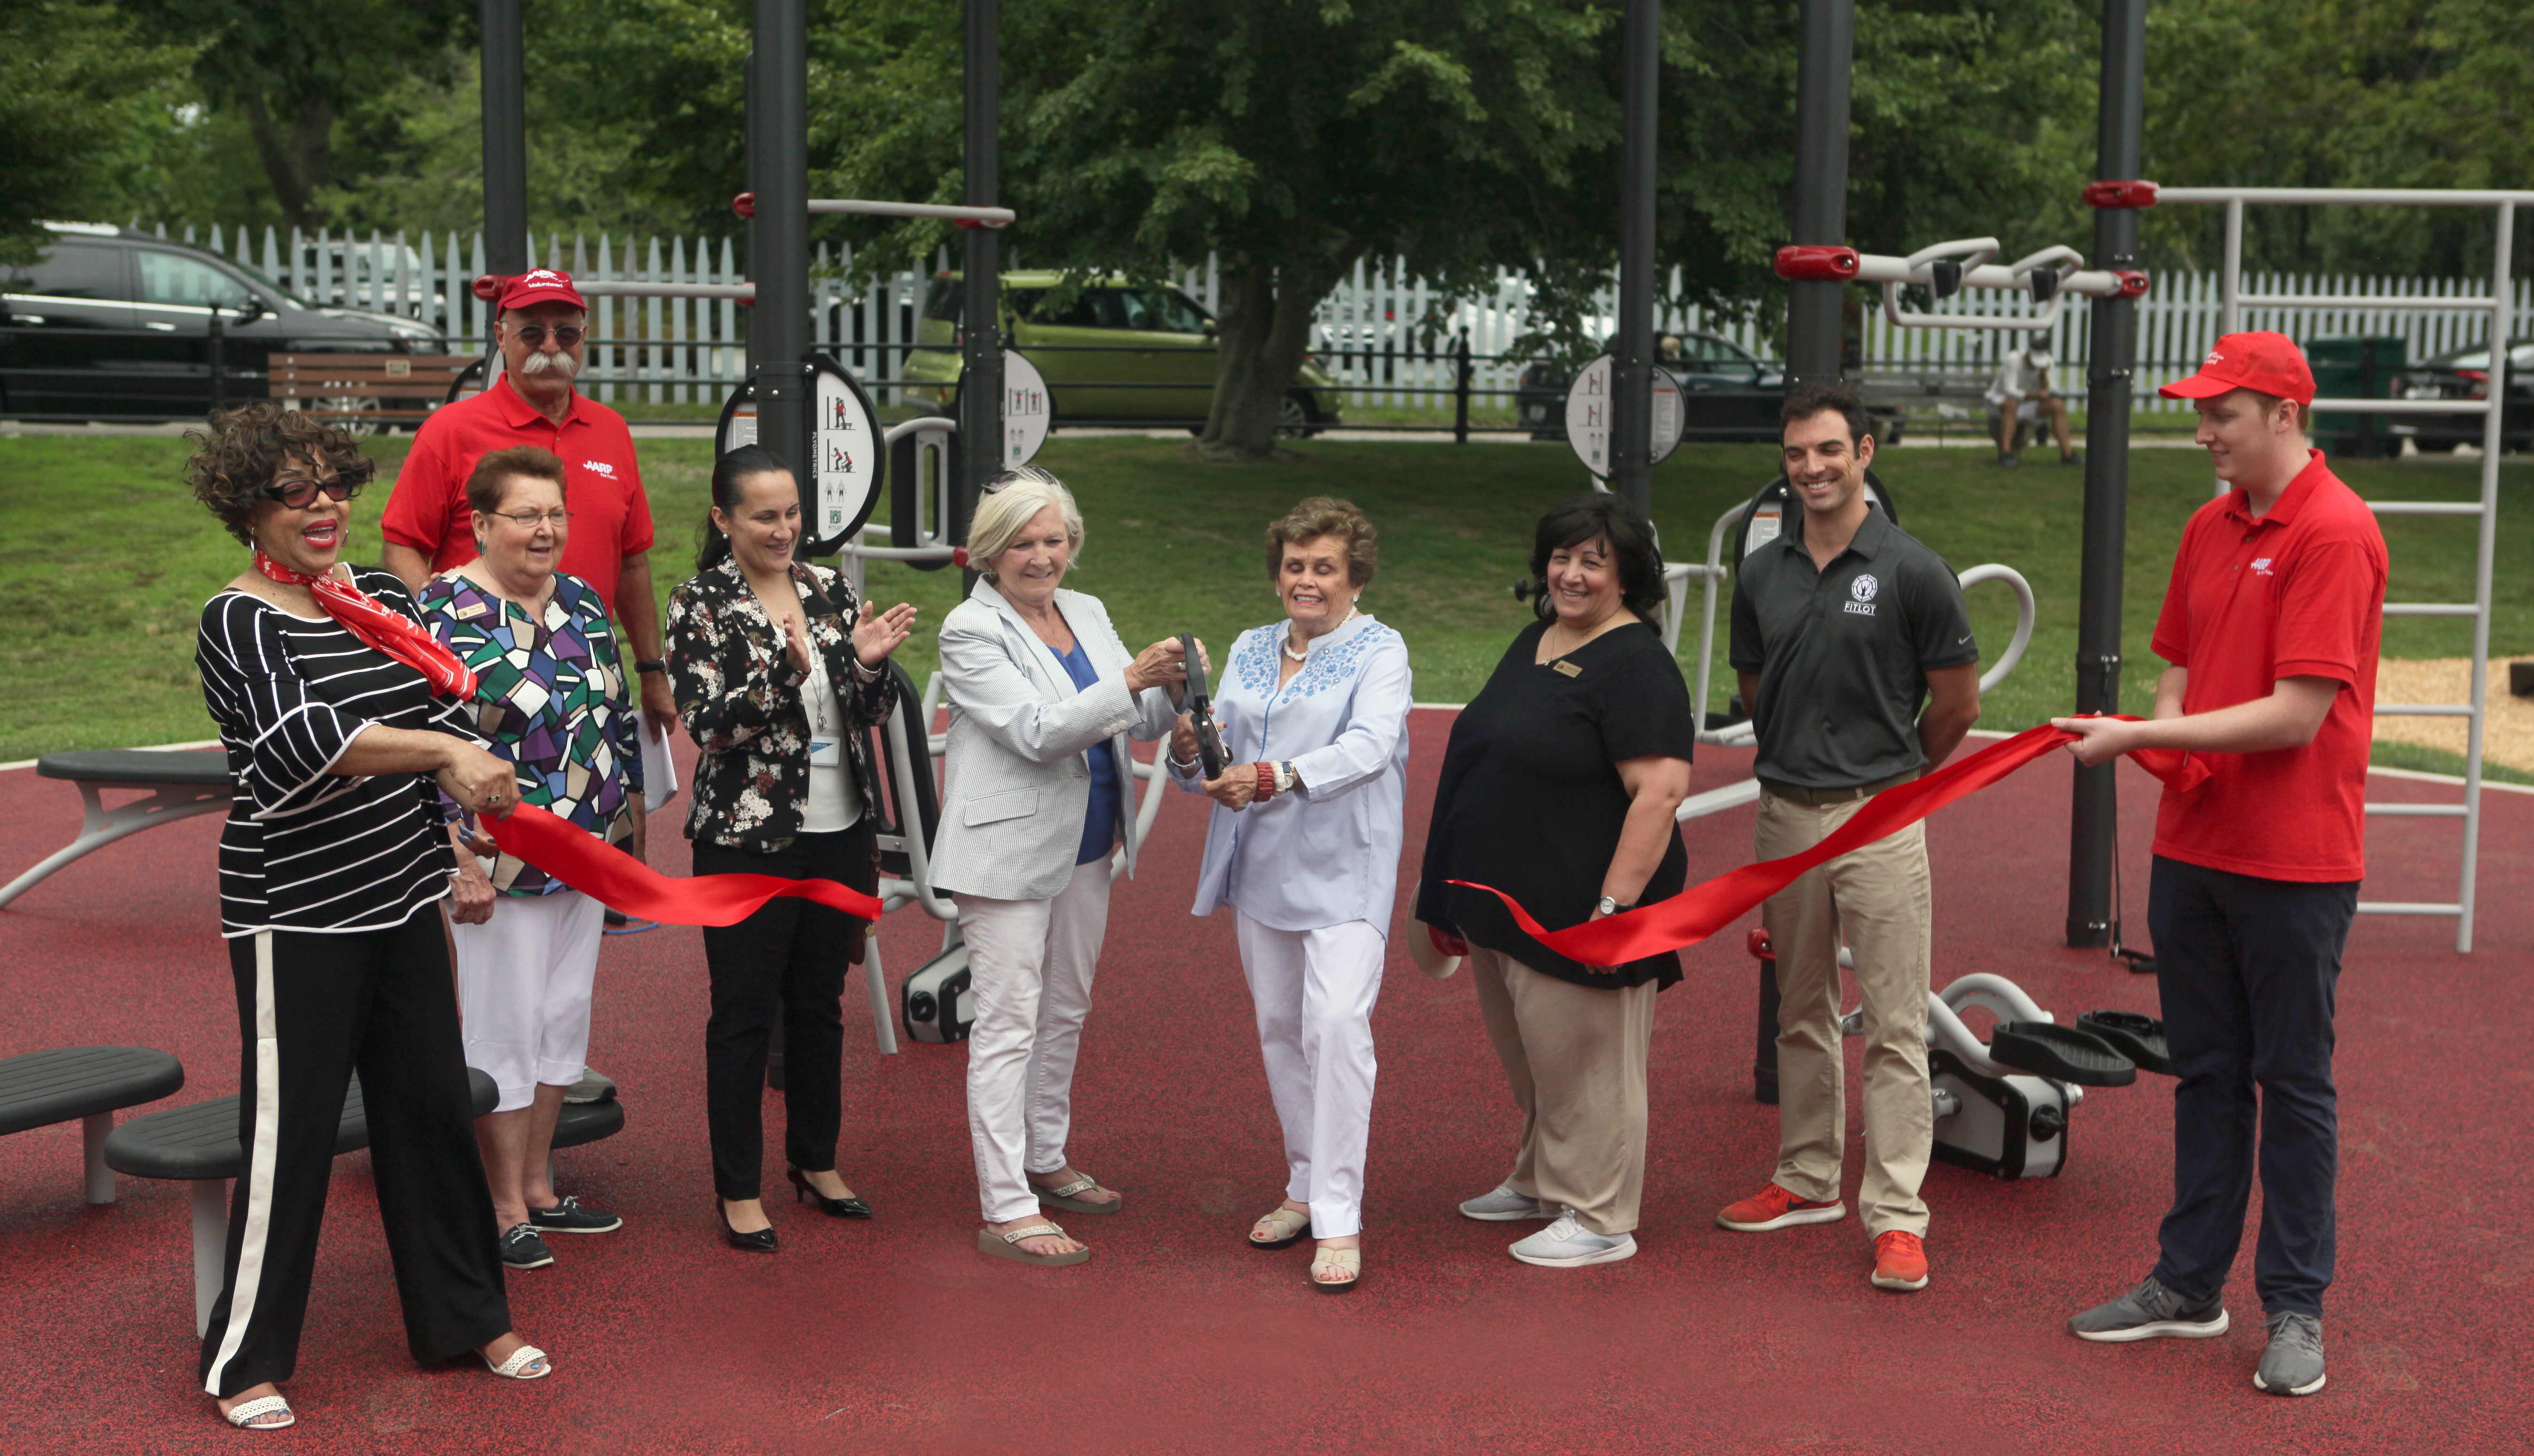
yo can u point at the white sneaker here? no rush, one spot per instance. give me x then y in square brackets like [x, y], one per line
[1567, 1244]
[1504, 1206]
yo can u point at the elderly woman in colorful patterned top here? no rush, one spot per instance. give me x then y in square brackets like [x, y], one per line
[552, 697]
[1304, 846]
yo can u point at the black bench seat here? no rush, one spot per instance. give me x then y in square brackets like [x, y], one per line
[181, 783]
[86, 1084]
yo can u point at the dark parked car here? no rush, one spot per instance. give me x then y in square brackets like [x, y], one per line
[2464, 373]
[1727, 392]
[114, 324]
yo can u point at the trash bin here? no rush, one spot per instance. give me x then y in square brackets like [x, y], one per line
[2357, 367]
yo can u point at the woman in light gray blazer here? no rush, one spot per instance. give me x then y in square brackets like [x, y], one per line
[1038, 790]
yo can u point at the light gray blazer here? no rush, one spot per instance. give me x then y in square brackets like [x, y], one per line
[1015, 782]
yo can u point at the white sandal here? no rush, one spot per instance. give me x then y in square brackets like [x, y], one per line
[520, 1359]
[1291, 1228]
[1065, 1198]
[1008, 1247]
[243, 1414]
[1347, 1262]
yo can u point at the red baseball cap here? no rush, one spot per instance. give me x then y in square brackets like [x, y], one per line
[539, 285]
[2267, 362]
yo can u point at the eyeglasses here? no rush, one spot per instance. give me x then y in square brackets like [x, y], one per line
[569, 336]
[301, 494]
[527, 521]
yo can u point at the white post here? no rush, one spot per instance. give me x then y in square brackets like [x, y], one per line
[210, 1199]
[2493, 436]
[94, 1130]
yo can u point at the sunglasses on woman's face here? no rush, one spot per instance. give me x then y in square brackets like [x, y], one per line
[300, 494]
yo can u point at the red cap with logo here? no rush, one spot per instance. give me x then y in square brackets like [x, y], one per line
[2262, 361]
[539, 285]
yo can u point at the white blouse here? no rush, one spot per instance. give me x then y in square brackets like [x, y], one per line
[1327, 853]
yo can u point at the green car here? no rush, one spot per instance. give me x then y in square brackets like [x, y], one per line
[1115, 353]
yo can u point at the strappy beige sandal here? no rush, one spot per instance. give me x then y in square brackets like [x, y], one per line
[1008, 1247]
[1291, 1228]
[1345, 1261]
[1065, 1198]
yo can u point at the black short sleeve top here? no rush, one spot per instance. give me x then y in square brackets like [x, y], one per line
[1531, 803]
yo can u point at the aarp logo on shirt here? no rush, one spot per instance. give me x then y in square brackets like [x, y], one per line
[599, 467]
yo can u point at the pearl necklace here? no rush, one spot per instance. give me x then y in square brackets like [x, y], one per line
[1306, 655]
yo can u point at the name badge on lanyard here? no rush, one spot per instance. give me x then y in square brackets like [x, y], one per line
[826, 750]
[827, 744]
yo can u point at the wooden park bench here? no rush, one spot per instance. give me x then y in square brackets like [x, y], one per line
[368, 388]
[88, 1085]
[199, 1145]
[175, 784]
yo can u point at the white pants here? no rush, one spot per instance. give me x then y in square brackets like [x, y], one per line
[1314, 991]
[523, 987]
[1029, 967]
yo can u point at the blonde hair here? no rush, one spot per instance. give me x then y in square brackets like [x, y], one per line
[1007, 509]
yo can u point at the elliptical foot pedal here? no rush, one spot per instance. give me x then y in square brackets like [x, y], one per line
[2048, 1050]
[2138, 1038]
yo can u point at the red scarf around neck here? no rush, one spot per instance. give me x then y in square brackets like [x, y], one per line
[381, 627]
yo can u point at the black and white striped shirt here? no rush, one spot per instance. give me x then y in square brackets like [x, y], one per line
[306, 849]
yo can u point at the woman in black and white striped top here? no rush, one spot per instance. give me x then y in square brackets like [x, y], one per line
[338, 713]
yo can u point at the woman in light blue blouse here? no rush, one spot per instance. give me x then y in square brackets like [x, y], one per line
[1304, 846]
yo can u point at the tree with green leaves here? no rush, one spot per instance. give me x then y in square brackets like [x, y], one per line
[75, 85]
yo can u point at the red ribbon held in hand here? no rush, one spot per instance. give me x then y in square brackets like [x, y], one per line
[1702, 910]
[610, 876]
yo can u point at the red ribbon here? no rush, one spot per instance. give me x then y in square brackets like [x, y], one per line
[610, 875]
[1702, 910]
[382, 627]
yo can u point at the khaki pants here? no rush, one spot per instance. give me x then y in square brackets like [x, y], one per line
[1576, 1057]
[1880, 896]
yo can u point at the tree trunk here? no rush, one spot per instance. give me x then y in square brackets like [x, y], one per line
[297, 152]
[1260, 341]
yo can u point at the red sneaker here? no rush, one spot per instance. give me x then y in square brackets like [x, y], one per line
[1899, 1261]
[1773, 1207]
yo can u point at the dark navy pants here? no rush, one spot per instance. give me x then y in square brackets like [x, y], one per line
[2247, 968]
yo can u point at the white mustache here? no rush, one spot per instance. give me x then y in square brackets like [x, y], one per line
[542, 362]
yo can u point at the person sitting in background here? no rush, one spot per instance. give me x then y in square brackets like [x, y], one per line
[553, 696]
[2020, 395]
[1558, 787]
[1303, 844]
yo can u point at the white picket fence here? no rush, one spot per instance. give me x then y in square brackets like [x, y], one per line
[1387, 336]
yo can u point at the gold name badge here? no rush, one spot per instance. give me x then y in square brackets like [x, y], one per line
[1566, 667]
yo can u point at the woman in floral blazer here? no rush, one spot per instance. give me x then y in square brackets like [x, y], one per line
[778, 672]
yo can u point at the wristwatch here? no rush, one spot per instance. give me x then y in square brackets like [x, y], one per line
[1284, 777]
[1609, 906]
[649, 664]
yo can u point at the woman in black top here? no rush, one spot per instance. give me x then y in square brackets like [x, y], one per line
[779, 673]
[338, 714]
[1558, 787]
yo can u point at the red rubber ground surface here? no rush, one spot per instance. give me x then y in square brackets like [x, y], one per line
[1177, 1338]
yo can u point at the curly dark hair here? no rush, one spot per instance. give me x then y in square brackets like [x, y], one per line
[1630, 536]
[235, 460]
[1320, 517]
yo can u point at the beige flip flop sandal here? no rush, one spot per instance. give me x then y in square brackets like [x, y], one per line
[1291, 1228]
[1345, 1261]
[1008, 1247]
[1064, 1198]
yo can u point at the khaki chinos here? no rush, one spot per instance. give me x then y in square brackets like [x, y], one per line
[1576, 1057]
[1881, 897]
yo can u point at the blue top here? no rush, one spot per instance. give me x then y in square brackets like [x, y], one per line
[1099, 821]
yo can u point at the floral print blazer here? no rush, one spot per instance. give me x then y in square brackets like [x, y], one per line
[740, 696]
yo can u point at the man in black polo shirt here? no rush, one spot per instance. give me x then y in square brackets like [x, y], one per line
[1842, 628]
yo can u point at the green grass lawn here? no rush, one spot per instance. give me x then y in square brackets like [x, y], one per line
[104, 562]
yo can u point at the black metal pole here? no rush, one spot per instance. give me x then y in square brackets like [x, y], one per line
[778, 330]
[1823, 67]
[981, 355]
[1632, 356]
[506, 139]
[2094, 815]
[1461, 387]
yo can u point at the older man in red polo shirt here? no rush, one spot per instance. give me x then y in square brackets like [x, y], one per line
[2271, 623]
[540, 323]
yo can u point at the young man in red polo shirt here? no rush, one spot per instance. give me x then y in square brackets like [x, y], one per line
[2271, 624]
[540, 319]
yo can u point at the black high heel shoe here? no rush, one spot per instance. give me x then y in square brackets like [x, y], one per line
[845, 1207]
[760, 1241]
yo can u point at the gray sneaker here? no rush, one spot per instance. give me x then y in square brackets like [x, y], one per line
[2147, 1312]
[1506, 1206]
[2293, 1364]
[1568, 1245]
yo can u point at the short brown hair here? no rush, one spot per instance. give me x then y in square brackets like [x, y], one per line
[1321, 515]
[234, 462]
[1806, 400]
[491, 480]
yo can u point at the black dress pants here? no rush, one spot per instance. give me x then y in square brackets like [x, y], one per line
[2247, 968]
[786, 962]
[311, 1010]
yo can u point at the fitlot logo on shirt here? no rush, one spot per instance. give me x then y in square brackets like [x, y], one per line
[599, 467]
[1862, 590]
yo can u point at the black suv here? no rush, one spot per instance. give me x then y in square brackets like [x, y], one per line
[112, 322]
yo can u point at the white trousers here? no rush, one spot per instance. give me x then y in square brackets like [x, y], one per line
[523, 987]
[1314, 991]
[1029, 967]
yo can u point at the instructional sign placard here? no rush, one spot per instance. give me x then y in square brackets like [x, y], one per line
[845, 453]
[1588, 415]
[1028, 413]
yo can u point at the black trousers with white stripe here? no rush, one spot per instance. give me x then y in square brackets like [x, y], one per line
[312, 1009]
